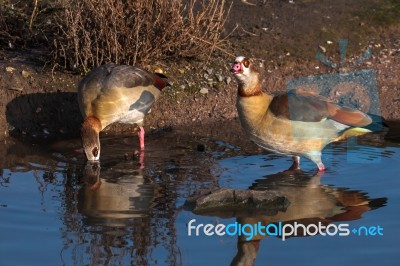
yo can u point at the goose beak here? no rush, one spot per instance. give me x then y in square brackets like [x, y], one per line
[237, 68]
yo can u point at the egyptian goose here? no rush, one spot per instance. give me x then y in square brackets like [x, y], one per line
[292, 124]
[115, 93]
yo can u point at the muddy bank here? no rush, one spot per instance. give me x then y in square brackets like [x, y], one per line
[282, 37]
[40, 103]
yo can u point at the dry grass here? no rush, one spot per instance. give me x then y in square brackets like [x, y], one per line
[27, 24]
[92, 32]
[86, 33]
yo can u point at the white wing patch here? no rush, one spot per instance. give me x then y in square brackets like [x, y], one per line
[131, 117]
[337, 125]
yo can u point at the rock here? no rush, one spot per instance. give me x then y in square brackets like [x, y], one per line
[10, 69]
[181, 71]
[159, 71]
[17, 83]
[219, 77]
[25, 74]
[209, 71]
[233, 202]
[204, 91]
[228, 80]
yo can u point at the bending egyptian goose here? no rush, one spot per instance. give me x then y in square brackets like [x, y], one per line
[292, 124]
[115, 93]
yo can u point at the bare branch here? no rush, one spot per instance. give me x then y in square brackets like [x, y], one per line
[126, 32]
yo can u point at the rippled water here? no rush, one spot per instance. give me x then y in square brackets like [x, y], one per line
[57, 210]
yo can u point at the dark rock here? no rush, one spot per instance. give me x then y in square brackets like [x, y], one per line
[234, 202]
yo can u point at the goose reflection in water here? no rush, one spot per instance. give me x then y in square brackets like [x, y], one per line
[116, 206]
[123, 213]
[310, 203]
[112, 197]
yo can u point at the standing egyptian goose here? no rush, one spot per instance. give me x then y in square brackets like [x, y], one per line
[292, 124]
[115, 93]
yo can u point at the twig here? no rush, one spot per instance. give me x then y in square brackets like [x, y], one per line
[247, 3]
[33, 14]
[248, 32]
[213, 45]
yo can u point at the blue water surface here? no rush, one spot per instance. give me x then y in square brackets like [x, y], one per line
[57, 210]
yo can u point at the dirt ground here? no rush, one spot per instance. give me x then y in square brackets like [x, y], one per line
[283, 38]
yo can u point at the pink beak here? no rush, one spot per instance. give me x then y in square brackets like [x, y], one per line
[237, 68]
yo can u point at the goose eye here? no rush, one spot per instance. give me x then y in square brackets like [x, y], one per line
[246, 62]
[95, 151]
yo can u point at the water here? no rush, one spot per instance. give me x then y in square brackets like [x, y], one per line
[57, 210]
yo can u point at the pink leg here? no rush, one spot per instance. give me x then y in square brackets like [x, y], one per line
[140, 156]
[141, 159]
[141, 138]
[96, 185]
